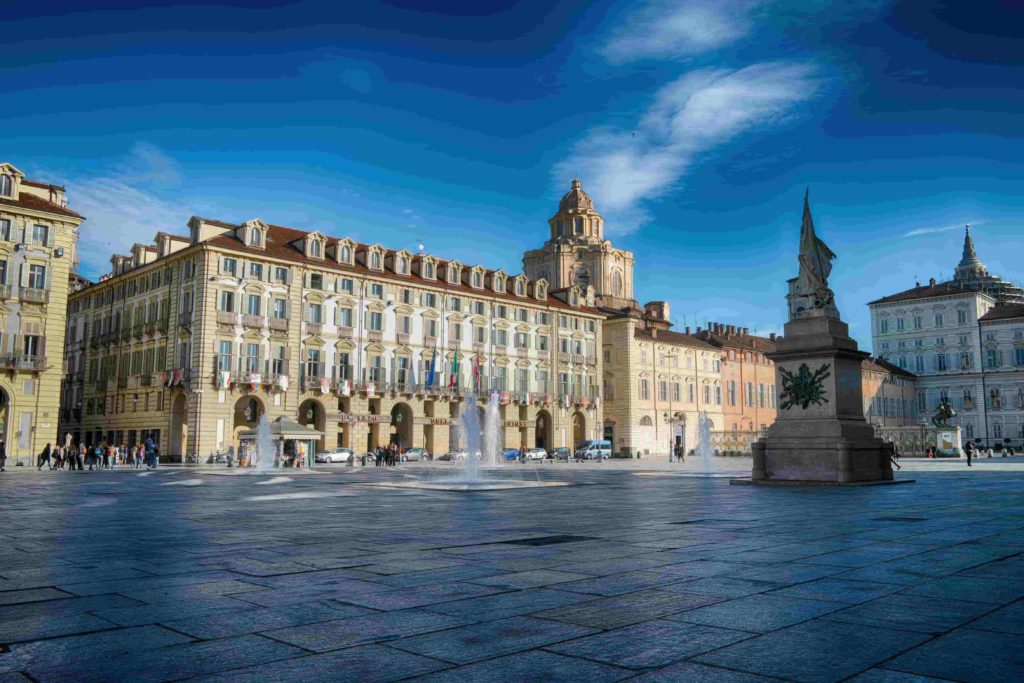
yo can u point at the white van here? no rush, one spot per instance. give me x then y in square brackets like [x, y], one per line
[595, 449]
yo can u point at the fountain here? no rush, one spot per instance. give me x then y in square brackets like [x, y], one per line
[705, 449]
[265, 452]
[265, 444]
[481, 444]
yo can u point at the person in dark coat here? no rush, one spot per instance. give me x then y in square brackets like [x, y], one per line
[969, 451]
[44, 458]
[3, 456]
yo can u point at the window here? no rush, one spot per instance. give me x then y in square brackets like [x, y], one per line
[940, 362]
[316, 313]
[280, 309]
[376, 321]
[917, 322]
[255, 238]
[997, 430]
[226, 302]
[229, 265]
[480, 308]
[346, 285]
[251, 361]
[224, 356]
[883, 326]
[993, 358]
[500, 311]
[919, 364]
[677, 391]
[707, 393]
[965, 360]
[969, 431]
[37, 277]
[453, 275]
[403, 265]
[520, 288]
[478, 280]
[344, 368]
[938, 320]
[521, 340]
[256, 269]
[6, 186]
[346, 254]
[313, 363]
[455, 304]
[377, 290]
[899, 324]
[375, 261]
[316, 281]
[430, 300]
[645, 391]
[731, 392]
[428, 270]
[40, 233]
[961, 317]
[344, 317]
[405, 324]
[542, 343]
[501, 337]
[314, 248]
[431, 328]
[761, 396]
[281, 274]
[456, 331]
[253, 304]
[5, 227]
[1018, 354]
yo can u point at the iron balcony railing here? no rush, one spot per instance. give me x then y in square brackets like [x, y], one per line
[22, 362]
[34, 295]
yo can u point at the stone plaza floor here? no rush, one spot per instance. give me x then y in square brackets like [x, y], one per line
[175, 574]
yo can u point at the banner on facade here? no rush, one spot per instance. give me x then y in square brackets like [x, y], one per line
[255, 380]
[345, 387]
[370, 390]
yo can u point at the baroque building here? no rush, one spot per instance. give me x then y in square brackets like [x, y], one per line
[38, 240]
[964, 341]
[190, 340]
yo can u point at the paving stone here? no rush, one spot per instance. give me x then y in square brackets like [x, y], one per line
[116, 643]
[65, 605]
[32, 595]
[966, 655]
[366, 664]
[913, 613]
[972, 589]
[618, 584]
[503, 605]
[1009, 619]
[170, 663]
[787, 573]
[814, 652]
[758, 613]
[531, 579]
[888, 676]
[699, 673]
[371, 628]
[191, 592]
[169, 611]
[537, 665]
[838, 590]
[33, 628]
[650, 644]
[623, 610]
[490, 639]
[238, 622]
[418, 597]
[721, 586]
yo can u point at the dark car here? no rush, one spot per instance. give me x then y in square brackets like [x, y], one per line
[561, 454]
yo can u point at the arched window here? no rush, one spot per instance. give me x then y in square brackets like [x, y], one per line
[578, 228]
[428, 270]
[403, 265]
[478, 280]
[646, 421]
[346, 255]
[314, 248]
[520, 288]
[375, 260]
[453, 275]
[499, 284]
[6, 186]
[617, 284]
[255, 239]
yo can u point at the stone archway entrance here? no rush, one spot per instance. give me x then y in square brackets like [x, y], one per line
[312, 414]
[248, 410]
[543, 429]
[579, 428]
[401, 426]
[178, 441]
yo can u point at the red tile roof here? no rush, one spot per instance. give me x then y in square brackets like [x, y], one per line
[34, 203]
[669, 337]
[1004, 312]
[882, 365]
[923, 292]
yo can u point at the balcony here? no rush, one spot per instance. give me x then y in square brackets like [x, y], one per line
[522, 352]
[252, 320]
[163, 323]
[122, 382]
[137, 329]
[18, 362]
[429, 342]
[185, 319]
[227, 318]
[280, 324]
[311, 382]
[374, 335]
[101, 385]
[577, 358]
[345, 332]
[5, 291]
[126, 333]
[314, 328]
[151, 327]
[591, 360]
[146, 381]
[403, 338]
[34, 295]
[563, 357]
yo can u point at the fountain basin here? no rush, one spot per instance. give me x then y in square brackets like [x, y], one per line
[253, 472]
[464, 486]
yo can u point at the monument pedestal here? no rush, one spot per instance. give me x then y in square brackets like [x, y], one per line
[947, 443]
[820, 436]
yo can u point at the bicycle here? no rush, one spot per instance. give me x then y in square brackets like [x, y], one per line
[192, 459]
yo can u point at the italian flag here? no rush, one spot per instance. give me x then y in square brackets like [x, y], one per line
[455, 370]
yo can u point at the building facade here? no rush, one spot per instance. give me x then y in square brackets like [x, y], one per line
[190, 340]
[964, 341]
[38, 240]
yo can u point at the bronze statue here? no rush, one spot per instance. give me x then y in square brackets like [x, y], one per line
[943, 413]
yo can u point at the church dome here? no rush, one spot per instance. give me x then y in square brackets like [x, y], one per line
[576, 199]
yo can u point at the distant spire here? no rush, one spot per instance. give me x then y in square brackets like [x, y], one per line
[970, 261]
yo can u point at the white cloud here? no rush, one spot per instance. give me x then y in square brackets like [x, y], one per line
[930, 231]
[689, 116]
[673, 29]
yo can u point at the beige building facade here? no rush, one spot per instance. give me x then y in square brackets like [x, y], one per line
[190, 340]
[38, 240]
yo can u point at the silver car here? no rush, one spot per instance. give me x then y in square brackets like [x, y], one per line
[335, 455]
[415, 455]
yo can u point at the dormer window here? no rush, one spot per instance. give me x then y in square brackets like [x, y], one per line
[314, 248]
[499, 284]
[346, 254]
[520, 288]
[428, 270]
[542, 292]
[478, 280]
[453, 275]
[255, 238]
[6, 186]
[375, 260]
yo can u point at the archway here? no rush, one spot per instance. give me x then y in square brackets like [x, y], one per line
[401, 426]
[579, 428]
[543, 428]
[248, 410]
[178, 442]
[312, 414]
[5, 409]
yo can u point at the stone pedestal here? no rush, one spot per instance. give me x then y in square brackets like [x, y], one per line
[947, 443]
[820, 435]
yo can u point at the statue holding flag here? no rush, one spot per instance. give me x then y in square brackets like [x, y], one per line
[809, 293]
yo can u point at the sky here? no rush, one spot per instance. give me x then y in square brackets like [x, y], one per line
[695, 125]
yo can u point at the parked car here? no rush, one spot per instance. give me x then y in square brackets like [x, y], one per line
[453, 455]
[536, 454]
[335, 455]
[594, 449]
[562, 454]
[415, 455]
[510, 454]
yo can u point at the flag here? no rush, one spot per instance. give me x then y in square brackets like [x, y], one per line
[178, 375]
[325, 386]
[282, 381]
[411, 379]
[433, 368]
[477, 362]
[163, 379]
[225, 379]
[455, 371]
[254, 381]
[370, 388]
[345, 387]
[504, 398]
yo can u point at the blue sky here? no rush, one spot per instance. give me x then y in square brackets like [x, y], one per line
[695, 125]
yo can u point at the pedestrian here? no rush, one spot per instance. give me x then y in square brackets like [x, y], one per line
[94, 457]
[58, 458]
[969, 451]
[894, 455]
[150, 453]
[521, 455]
[44, 458]
[3, 456]
[82, 451]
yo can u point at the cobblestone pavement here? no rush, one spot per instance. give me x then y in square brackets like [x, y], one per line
[176, 574]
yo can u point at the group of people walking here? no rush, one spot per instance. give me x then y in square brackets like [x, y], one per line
[93, 456]
[386, 456]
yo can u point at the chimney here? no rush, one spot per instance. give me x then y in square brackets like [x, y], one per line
[698, 329]
[772, 336]
[931, 282]
[687, 330]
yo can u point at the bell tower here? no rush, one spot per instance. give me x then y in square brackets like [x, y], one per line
[576, 253]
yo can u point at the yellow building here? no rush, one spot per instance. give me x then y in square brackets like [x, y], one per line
[191, 339]
[38, 237]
